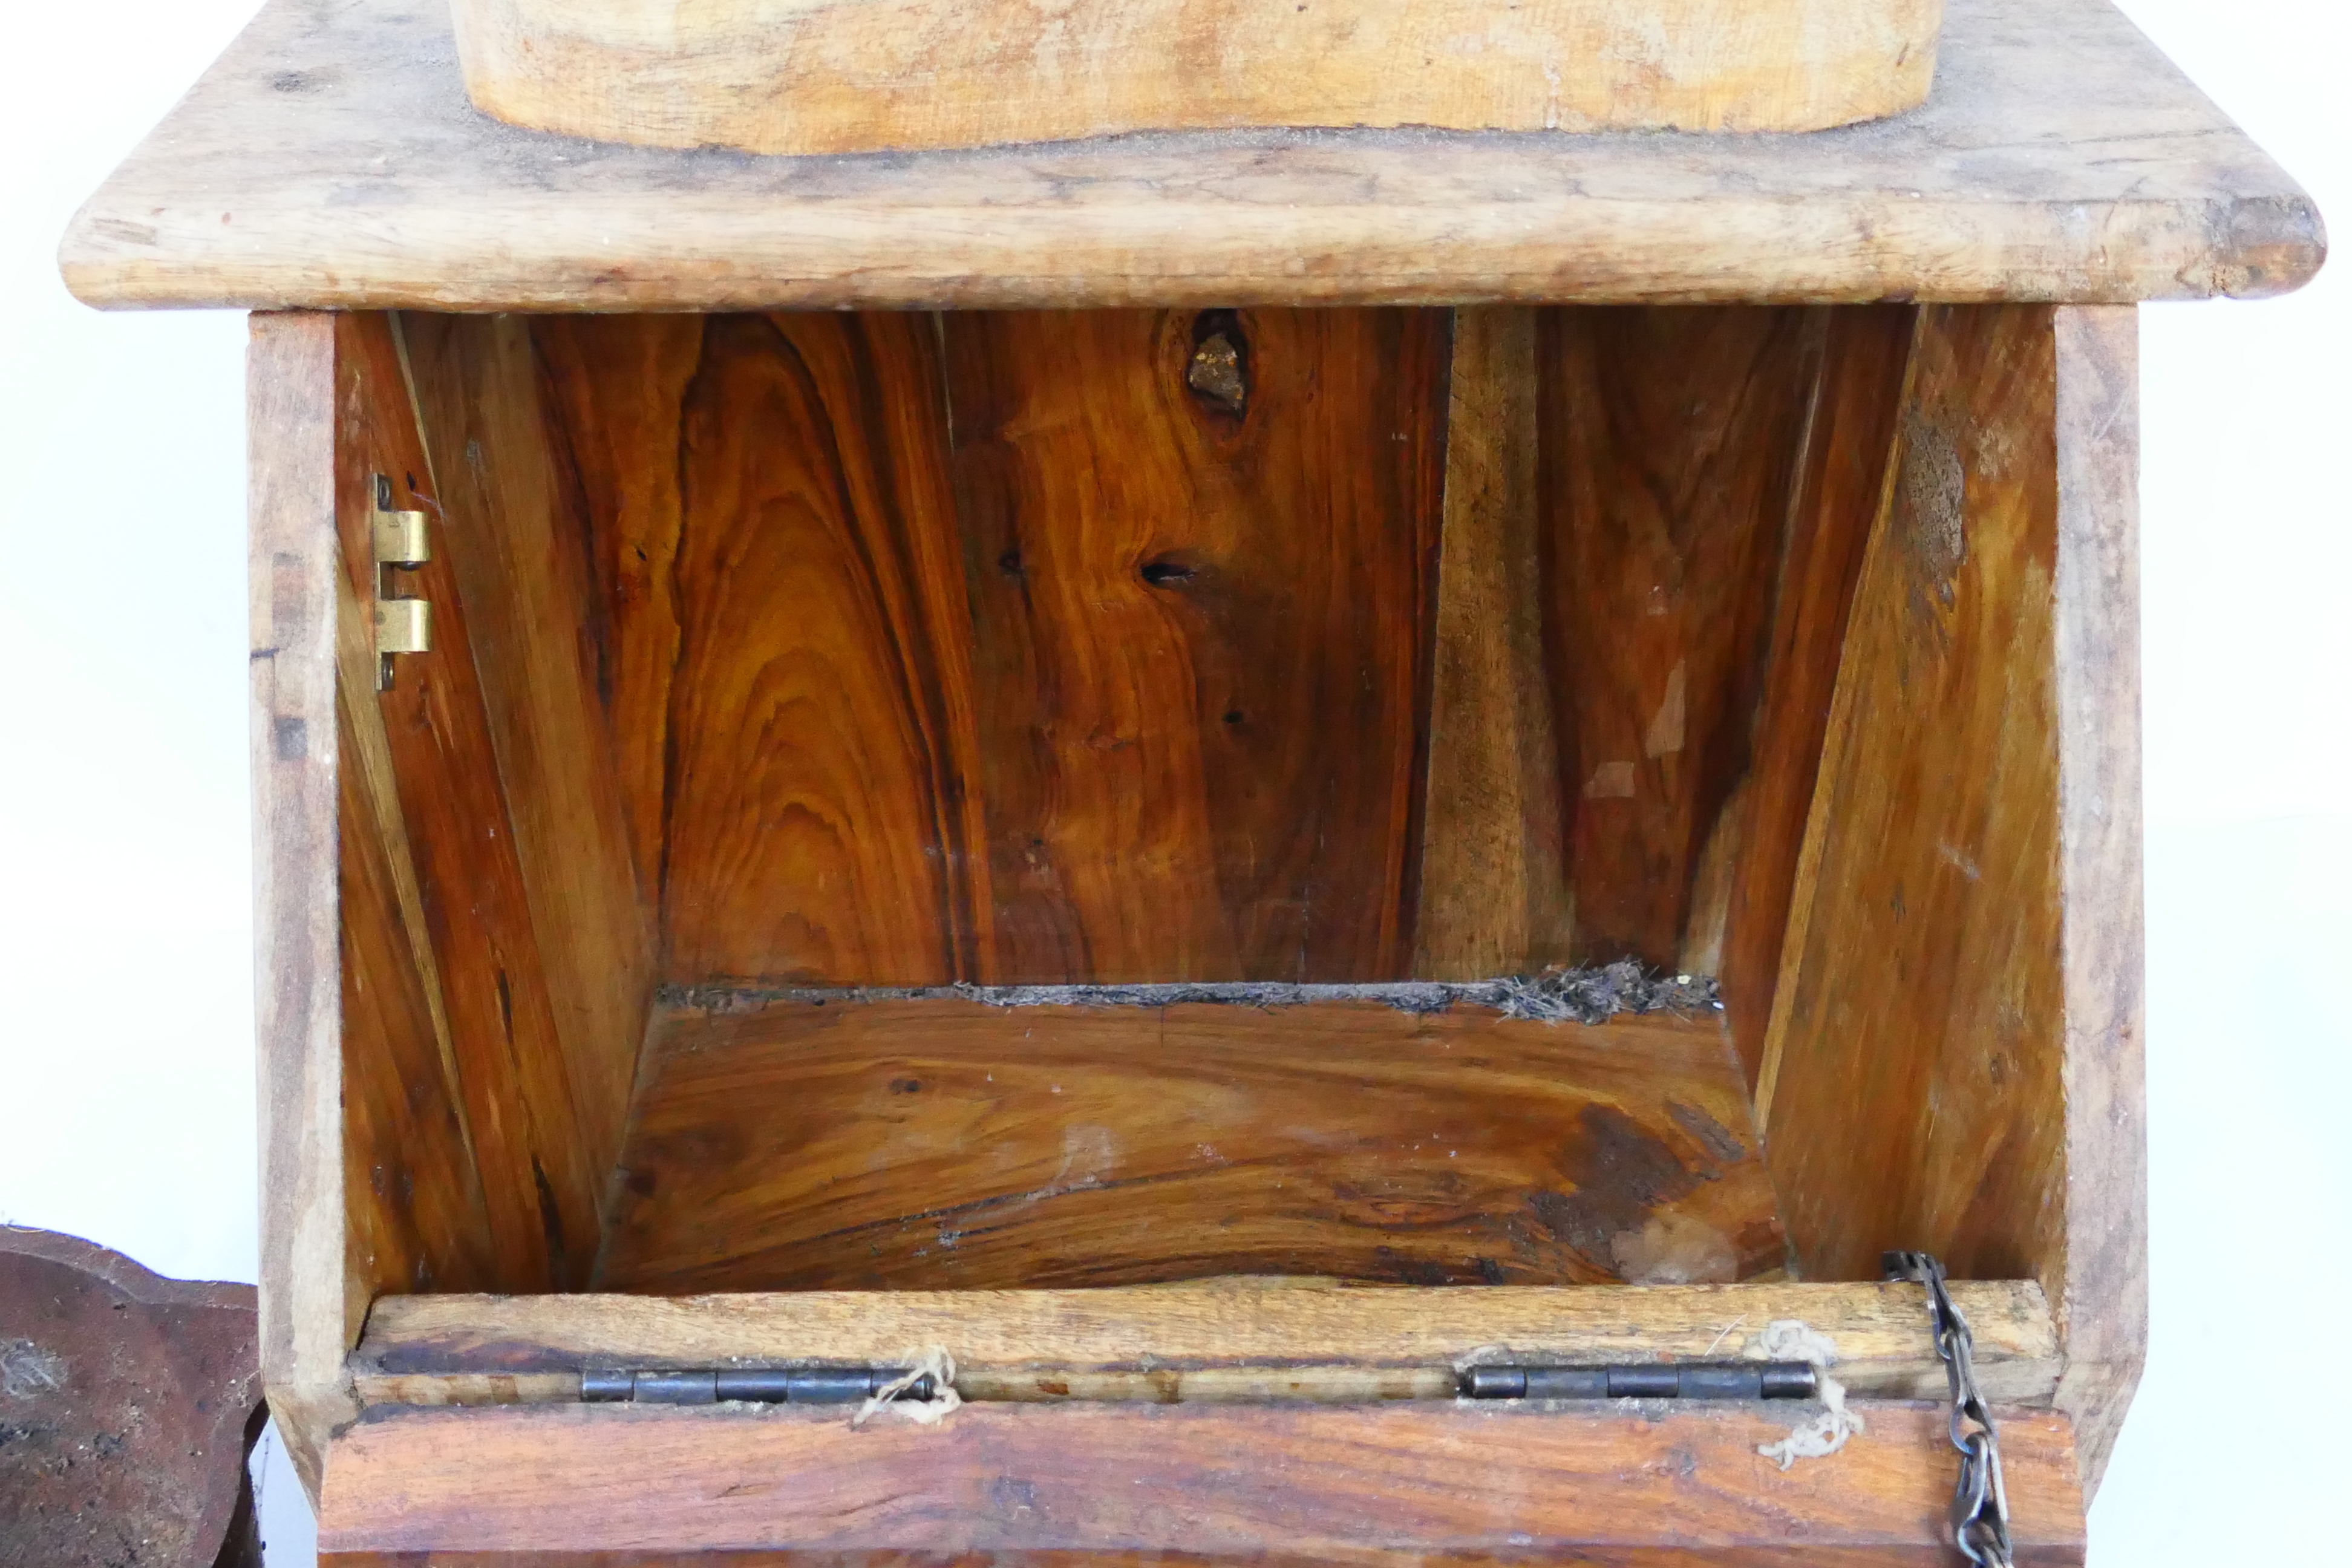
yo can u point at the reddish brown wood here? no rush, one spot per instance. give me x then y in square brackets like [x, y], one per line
[613, 396]
[539, 1180]
[818, 723]
[945, 1144]
[519, 559]
[412, 1190]
[1912, 1081]
[128, 1403]
[1848, 446]
[1387, 1484]
[1668, 438]
[1202, 636]
[1493, 888]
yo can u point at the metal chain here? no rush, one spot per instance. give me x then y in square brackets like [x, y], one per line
[1979, 1516]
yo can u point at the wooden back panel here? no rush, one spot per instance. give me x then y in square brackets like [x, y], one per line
[987, 648]
[1004, 648]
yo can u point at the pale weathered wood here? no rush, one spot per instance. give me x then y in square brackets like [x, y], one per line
[1403, 1483]
[307, 1320]
[1492, 897]
[1260, 1326]
[518, 556]
[2059, 157]
[1911, 1084]
[844, 1142]
[860, 75]
[2101, 1295]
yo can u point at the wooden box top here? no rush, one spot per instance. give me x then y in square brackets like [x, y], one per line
[331, 159]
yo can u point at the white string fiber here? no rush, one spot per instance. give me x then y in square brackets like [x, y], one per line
[1786, 1338]
[934, 1363]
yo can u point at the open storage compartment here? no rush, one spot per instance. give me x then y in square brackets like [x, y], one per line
[1086, 839]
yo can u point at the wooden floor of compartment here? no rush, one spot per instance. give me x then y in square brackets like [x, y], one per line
[943, 1144]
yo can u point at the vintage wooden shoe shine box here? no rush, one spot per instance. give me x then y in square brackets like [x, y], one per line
[950, 836]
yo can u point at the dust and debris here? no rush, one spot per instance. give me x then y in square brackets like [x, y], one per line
[1788, 1339]
[1675, 1249]
[27, 1371]
[1557, 996]
[1216, 372]
[1934, 486]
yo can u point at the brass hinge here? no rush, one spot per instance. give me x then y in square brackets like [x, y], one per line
[397, 539]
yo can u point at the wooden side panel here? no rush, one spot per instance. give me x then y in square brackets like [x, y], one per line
[1494, 893]
[1201, 609]
[519, 559]
[1669, 437]
[538, 1177]
[1912, 1077]
[306, 1324]
[808, 1144]
[1847, 454]
[411, 1191]
[2102, 1297]
[1401, 1484]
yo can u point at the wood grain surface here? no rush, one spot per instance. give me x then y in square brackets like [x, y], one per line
[612, 394]
[519, 562]
[1126, 685]
[1401, 1482]
[416, 1213]
[1668, 441]
[817, 728]
[1202, 637]
[2059, 157]
[1167, 1332]
[2102, 1293]
[308, 1317]
[947, 73]
[1911, 1084]
[1847, 452]
[539, 1178]
[1493, 886]
[812, 1144]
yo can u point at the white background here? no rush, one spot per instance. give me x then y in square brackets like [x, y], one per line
[126, 1102]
